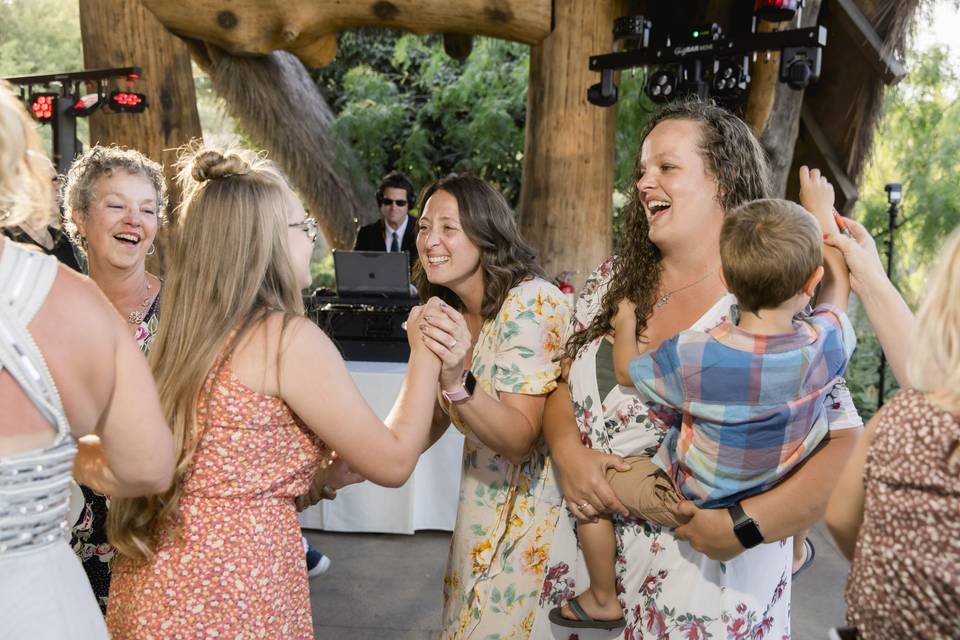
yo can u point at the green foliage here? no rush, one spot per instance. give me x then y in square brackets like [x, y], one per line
[402, 103]
[39, 37]
[917, 143]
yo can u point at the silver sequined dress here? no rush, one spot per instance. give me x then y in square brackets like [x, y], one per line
[44, 593]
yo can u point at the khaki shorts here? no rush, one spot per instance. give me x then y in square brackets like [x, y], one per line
[646, 491]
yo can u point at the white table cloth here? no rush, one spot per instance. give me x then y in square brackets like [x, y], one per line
[428, 500]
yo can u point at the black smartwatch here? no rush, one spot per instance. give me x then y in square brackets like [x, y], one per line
[744, 527]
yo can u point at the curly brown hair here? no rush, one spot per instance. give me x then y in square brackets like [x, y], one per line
[505, 257]
[732, 155]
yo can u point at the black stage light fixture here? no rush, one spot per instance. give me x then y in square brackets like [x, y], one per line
[799, 66]
[731, 76]
[776, 10]
[662, 85]
[43, 106]
[631, 32]
[85, 105]
[127, 101]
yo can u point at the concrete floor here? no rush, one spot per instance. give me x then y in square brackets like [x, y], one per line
[388, 587]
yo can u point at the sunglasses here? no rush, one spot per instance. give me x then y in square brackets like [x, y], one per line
[308, 226]
[386, 202]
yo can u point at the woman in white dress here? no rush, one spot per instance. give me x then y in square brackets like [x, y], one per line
[696, 162]
[69, 369]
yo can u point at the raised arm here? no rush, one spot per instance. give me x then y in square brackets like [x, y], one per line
[131, 453]
[889, 314]
[318, 388]
[817, 197]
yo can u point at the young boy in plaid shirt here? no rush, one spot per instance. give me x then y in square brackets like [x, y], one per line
[743, 403]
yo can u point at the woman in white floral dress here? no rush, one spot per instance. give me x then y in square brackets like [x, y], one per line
[696, 162]
[496, 324]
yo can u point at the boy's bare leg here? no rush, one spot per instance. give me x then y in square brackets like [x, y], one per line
[599, 544]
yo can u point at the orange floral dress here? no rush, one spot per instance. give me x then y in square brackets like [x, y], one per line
[231, 564]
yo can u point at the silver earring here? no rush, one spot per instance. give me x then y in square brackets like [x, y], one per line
[153, 250]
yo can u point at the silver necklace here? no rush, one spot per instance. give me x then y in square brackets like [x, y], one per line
[665, 298]
[136, 316]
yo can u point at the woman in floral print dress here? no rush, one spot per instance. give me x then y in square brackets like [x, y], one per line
[496, 325]
[696, 162]
[256, 397]
[115, 200]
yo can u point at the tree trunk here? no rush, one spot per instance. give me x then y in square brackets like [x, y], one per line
[568, 164]
[258, 27]
[117, 33]
[279, 106]
[779, 135]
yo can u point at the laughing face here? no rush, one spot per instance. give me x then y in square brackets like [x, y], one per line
[678, 193]
[121, 223]
[449, 257]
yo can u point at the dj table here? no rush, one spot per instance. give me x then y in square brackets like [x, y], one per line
[427, 501]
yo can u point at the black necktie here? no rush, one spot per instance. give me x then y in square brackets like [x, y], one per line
[394, 244]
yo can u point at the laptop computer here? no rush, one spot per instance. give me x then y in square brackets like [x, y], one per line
[364, 274]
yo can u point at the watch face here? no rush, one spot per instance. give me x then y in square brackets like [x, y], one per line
[469, 382]
[748, 533]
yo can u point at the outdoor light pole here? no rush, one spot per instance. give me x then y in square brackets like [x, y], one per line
[894, 195]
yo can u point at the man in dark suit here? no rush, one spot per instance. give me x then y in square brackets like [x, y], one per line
[396, 230]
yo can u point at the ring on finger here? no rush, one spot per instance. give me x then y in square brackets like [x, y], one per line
[581, 507]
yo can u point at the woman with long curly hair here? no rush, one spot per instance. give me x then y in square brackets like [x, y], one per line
[495, 323]
[696, 162]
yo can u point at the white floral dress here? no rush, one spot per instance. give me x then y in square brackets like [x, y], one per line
[667, 589]
[507, 512]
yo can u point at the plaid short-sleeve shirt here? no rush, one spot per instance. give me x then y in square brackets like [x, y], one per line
[744, 409]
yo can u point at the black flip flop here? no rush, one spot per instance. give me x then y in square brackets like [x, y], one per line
[583, 621]
[811, 553]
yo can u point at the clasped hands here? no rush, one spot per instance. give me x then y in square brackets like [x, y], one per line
[443, 331]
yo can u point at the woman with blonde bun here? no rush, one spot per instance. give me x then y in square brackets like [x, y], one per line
[257, 398]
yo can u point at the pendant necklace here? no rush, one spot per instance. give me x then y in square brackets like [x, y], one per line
[136, 316]
[665, 298]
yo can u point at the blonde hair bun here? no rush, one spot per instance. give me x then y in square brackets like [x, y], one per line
[212, 165]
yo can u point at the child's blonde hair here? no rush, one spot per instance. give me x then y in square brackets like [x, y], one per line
[934, 362]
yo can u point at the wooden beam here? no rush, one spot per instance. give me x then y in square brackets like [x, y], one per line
[862, 33]
[846, 191]
[566, 197]
[117, 33]
[257, 27]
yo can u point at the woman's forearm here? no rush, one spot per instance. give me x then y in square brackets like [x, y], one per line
[90, 468]
[845, 509]
[559, 423]
[503, 428]
[892, 321]
[800, 500]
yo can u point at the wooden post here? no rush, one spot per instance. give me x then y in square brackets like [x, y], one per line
[782, 122]
[568, 164]
[118, 33]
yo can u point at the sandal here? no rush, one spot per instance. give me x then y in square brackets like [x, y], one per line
[583, 620]
[810, 553]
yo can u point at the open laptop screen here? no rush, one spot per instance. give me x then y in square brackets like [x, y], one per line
[372, 273]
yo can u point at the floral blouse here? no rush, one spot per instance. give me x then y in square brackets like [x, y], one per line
[89, 534]
[506, 512]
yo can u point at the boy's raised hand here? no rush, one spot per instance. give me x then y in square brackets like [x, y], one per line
[817, 197]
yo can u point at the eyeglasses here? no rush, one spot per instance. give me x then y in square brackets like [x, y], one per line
[386, 202]
[308, 226]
